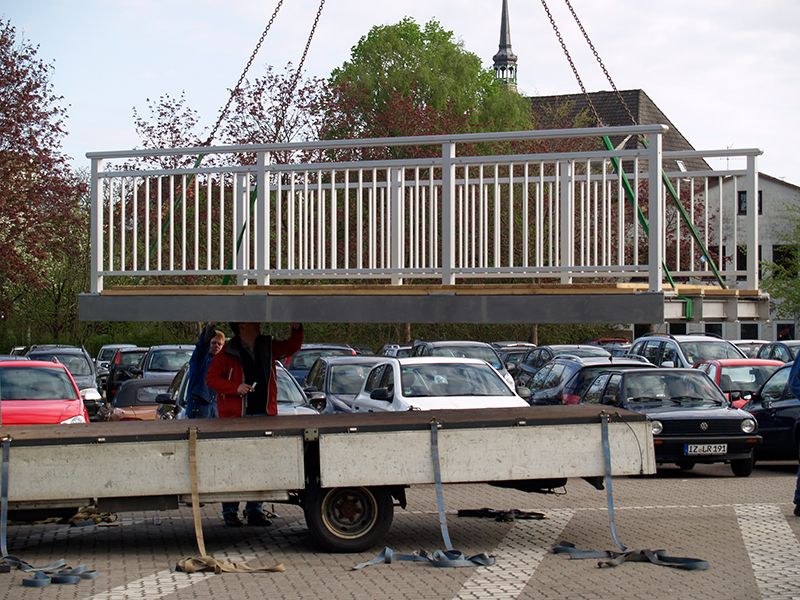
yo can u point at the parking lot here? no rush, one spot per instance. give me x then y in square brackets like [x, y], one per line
[743, 527]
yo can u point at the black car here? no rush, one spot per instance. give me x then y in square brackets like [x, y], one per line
[783, 351]
[120, 369]
[692, 420]
[536, 358]
[80, 365]
[777, 412]
[339, 379]
[565, 378]
[512, 354]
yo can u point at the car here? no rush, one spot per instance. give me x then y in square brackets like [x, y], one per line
[564, 379]
[692, 420]
[13, 357]
[163, 361]
[136, 400]
[536, 358]
[106, 354]
[739, 378]
[36, 392]
[338, 379]
[120, 369]
[17, 350]
[299, 363]
[683, 351]
[777, 411]
[432, 383]
[786, 351]
[506, 343]
[465, 349]
[396, 350]
[619, 349]
[608, 342]
[80, 366]
[363, 350]
[749, 347]
[291, 399]
[510, 354]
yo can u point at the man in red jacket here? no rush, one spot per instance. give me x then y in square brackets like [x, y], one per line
[244, 378]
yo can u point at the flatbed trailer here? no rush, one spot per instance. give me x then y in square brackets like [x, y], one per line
[346, 471]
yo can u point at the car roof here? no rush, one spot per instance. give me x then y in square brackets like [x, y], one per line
[172, 347]
[591, 361]
[742, 362]
[58, 350]
[789, 342]
[117, 346]
[749, 342]
[458, 343]
[126, 350]
[352, 360]
[433, 360]
[319, 345]
[32, 364]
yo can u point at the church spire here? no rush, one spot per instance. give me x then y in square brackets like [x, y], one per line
[505, 61]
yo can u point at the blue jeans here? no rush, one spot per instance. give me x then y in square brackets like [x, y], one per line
[797, 489]
[231, 509]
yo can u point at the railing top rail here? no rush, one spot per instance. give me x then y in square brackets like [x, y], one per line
[729, 152]
[464, 138]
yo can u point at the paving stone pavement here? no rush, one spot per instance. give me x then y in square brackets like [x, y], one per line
[743, 526]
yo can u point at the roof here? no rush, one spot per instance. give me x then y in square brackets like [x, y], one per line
[613, 113]
[352, 360]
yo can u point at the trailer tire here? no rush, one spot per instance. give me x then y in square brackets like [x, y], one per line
[349, 519]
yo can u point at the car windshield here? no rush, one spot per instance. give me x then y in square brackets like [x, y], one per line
[288, 391]
[671, 388]
[107, 354]
[711, 350]
[347, 379]
[168, 360]
[750, 350]
[130, 359]
[76, 364]
[746, 378]
[514, 356]
[429, 380]
[479, 352]
[303, 359]
[35, 383]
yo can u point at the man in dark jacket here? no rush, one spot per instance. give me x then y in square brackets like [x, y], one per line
[200, 402]
[244, 378]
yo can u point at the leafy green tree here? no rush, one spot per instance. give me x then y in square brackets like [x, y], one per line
[781, 278]
[405, 80]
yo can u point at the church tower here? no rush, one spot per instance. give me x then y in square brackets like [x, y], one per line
[505, 61]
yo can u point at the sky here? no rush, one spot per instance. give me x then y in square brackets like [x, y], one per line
[724, 72]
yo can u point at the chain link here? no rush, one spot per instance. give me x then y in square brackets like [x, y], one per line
[572, 64]
[600, 62]
[296, 77]
[238, 85]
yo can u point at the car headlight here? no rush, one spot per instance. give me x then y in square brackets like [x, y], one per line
[748, 425]
[72, 420]
[657, 427]
[90, 394]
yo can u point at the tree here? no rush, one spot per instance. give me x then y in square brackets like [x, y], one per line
[404, 80]
[39, 193]
[781, 276]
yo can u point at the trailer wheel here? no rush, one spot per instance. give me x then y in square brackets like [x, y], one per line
[349, 519]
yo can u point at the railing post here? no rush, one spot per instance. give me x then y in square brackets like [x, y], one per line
[397, 213]
[263, 210]
[567, 225]
[96, 230]
[448, 213]
[751, 227]
[655, 212]
[242, 228]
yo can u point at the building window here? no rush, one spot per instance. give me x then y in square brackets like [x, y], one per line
[741, 261]
[742, 203]
[677, 328]
[784, 331]
[748, 331]
[714, 328]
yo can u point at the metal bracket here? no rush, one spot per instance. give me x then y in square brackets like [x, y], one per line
[311, 434]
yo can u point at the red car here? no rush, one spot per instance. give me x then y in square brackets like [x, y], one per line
[739, 377]
[39, 393]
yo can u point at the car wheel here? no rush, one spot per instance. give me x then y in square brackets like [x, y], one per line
[686, 466]
[350, 519]
[742, 467]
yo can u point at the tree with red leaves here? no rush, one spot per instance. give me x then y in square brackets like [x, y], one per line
[40, 196]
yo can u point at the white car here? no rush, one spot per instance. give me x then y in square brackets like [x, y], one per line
[431, 383]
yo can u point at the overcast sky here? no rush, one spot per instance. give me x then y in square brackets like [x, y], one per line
[724, 72]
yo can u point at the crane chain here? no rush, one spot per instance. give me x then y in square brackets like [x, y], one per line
[238, 85]
[572, 64]
[600, 62]
[296, 77]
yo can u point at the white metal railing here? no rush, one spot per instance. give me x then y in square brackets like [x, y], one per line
[515, 214]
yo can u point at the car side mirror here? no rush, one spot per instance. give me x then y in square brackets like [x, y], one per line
[317, 400]
[523, 392]
[165, 399]
[668, 364]
[381, 394]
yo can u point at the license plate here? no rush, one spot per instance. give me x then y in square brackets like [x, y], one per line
[694, 449]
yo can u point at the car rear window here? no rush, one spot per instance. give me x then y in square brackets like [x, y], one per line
[479, 352]
[303, 359]
[130, 359]
[697, 351]
[168, 360]
[35, 383]
[76, 364]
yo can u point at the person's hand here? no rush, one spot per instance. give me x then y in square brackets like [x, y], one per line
[296, 325]
[243, 389]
